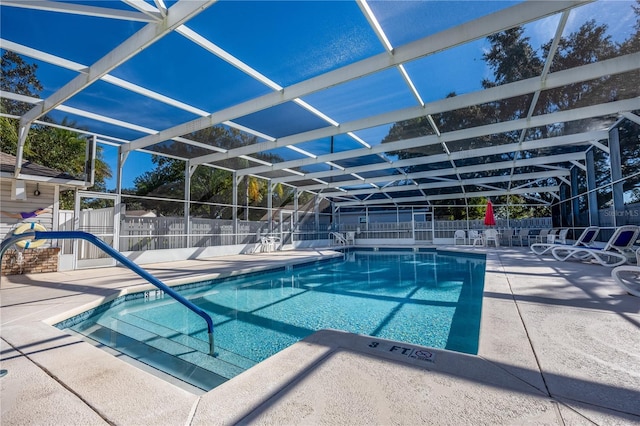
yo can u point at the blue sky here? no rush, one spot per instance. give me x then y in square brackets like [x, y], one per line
[288, 42]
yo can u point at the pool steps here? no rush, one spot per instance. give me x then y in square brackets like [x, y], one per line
[199, 345]
[168, 350]
[174, 366]
[72, 235]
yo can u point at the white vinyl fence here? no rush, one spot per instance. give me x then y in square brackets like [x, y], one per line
[155, 233]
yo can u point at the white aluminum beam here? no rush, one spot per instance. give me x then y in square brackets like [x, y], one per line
[182, 11]
[455, 196]
[600, 145]
[631, 116]
[61, 62]
[579, 165]
[210, 47]
[579, 138]
[161, 6]
[377, 28]
[481, 27]
[446, 184]
[561, 78]
[115, 122]
[375, 25]
[538, 161]
[565, 180]
[146, 8]
[78, 9]
[540, 120]
[42, 56]
[103, 119]
[235, 62]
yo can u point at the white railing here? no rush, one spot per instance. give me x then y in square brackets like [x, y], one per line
[158, 233]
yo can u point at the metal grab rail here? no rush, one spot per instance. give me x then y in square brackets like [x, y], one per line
[69, 235]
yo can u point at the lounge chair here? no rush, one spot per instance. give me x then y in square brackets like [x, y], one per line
[628, 276]
[586, 239]
[615, 253]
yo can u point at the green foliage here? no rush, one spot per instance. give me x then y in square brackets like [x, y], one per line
[211, 188]
[52, 147]
[8, 135]
[512, 58]
[17, 77]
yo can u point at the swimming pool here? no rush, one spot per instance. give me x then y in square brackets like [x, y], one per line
[424, 298]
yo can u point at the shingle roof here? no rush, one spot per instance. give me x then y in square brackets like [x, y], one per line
[31, 170]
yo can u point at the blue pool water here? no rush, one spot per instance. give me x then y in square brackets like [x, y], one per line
[425, 298]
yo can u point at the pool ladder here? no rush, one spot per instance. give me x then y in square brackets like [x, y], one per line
[70, 235]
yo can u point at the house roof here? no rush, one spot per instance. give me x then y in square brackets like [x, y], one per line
[315, 87]
[35, 172]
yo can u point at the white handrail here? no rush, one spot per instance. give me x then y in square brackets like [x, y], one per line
[339, 238]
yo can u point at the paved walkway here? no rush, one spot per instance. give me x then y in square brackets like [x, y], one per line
[560, 344]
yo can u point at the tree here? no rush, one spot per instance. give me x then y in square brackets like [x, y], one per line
[53, 147]
[211, 188]
[589, 44]
[17, 77]
[512, 58]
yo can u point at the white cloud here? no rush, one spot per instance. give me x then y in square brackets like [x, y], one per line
[617, 15]
[542, 30]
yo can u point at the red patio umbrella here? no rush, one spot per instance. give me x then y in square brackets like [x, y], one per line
[489, 219]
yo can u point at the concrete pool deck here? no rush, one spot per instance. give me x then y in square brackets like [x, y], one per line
[559, 344]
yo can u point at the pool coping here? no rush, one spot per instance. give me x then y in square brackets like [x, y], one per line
[293, 385]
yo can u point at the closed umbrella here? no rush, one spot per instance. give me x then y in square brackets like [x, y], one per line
[489, 219]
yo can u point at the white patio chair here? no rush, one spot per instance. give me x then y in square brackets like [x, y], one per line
[507, 235]
[475, 238]
[562, 236]
[351, 238]
[551, 236]
[521, 236]
[491, 235]
[459, 235]
[265, 245]
[542, 236]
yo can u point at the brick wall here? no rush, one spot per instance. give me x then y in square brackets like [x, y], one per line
[30, 261]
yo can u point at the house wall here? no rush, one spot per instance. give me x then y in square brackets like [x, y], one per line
[30, 261]
[45, 200]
